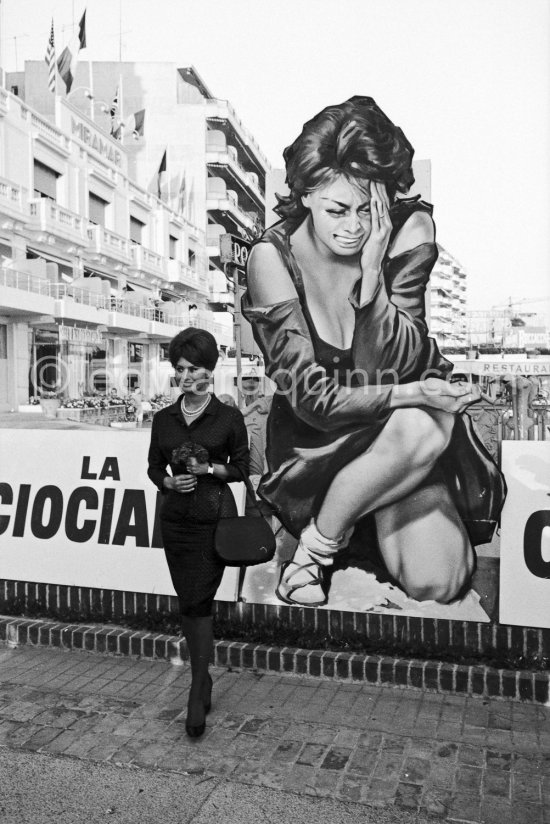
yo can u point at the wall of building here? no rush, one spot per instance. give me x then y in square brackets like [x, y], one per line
[62, 274]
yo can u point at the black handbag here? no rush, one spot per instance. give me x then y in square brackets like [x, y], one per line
[475, 482]
[244, 540]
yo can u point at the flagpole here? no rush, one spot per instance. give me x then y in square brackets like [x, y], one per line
[91, 84]
[2, 79]
[56, 70]
[120, 86]
[120, 107]
[169, 181]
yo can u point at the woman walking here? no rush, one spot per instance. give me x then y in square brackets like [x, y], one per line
[204, 443]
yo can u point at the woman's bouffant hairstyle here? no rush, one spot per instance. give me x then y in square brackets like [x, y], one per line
[354, 139]
[197, 346]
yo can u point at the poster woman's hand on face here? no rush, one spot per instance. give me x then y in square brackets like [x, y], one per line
[376, 245]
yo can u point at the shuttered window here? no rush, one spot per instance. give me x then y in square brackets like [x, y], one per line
[172, 247]
[136, 230]
[3, 341]
[45, 181]
[96, 209]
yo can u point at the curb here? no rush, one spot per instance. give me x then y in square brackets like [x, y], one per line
[376, 670]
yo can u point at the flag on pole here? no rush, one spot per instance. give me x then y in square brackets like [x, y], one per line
[82, 31]
[50, 61]
[182, 195]
[69, 56]
[115, 120]
[161, 171]
[191, 203]
[135, 124]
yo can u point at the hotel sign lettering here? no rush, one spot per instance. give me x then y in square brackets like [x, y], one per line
[95, 141]
[75, 334]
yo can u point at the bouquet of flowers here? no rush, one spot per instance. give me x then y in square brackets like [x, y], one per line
[187, 450]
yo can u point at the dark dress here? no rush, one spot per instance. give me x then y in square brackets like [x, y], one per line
[324, 414]
[188, 521]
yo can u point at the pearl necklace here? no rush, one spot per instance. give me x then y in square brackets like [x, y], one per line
[196, 411]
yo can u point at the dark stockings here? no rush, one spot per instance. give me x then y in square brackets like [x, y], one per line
[200, 642]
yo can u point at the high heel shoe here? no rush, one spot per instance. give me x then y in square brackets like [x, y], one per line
[194, 730]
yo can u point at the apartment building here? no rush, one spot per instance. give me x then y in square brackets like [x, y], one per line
[447, 301]
[97, 273]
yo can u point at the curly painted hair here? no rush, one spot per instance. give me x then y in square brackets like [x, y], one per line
[355, 139]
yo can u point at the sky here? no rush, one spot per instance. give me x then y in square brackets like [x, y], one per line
[468, 81]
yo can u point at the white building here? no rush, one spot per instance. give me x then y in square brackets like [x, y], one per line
[97, 274]
[447, 301]
[215, 171]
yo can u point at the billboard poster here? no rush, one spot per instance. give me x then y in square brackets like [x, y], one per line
[525, 545]
[374, 468]
[82, 512]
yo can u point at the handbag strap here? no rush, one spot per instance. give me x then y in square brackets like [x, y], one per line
[249, 488]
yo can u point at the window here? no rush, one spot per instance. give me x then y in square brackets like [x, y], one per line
[136, 230]
[191, 258]
[3, 341]
[135, 352]
[45, 181]
[172, 247]
[163, 351]
[96, 209]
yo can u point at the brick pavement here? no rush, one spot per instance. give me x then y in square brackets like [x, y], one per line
[449, 757]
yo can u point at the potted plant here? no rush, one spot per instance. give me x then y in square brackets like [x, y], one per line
[50, 402]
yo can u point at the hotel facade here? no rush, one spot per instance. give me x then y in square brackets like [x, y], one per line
[105, 255]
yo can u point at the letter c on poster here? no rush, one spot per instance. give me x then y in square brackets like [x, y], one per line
[525, 535]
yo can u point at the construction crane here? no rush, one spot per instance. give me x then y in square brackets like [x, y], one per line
[513, 314]
[500, 319]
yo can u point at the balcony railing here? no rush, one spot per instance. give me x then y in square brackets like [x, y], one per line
[179, 272]
[205, 321]
[4, 102]
[216, 201]
[215, 155]
[103, 241]
[167, 314]
[145, 260]
[11, 199]
[224, 110]
[43, 128]
[49, 216]
[59, 291]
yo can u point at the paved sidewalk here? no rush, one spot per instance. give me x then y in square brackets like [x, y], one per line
[446, 758]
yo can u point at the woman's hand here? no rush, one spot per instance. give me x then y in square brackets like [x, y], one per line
[181, 483]
[196, 468]
[376, 246]
[435, 393]
[451, 397]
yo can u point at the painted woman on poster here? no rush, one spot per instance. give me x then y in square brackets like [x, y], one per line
[367, 436]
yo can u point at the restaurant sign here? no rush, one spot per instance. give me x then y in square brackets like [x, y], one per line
[502, 368]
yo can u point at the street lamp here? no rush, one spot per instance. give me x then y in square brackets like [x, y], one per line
[93, 102]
